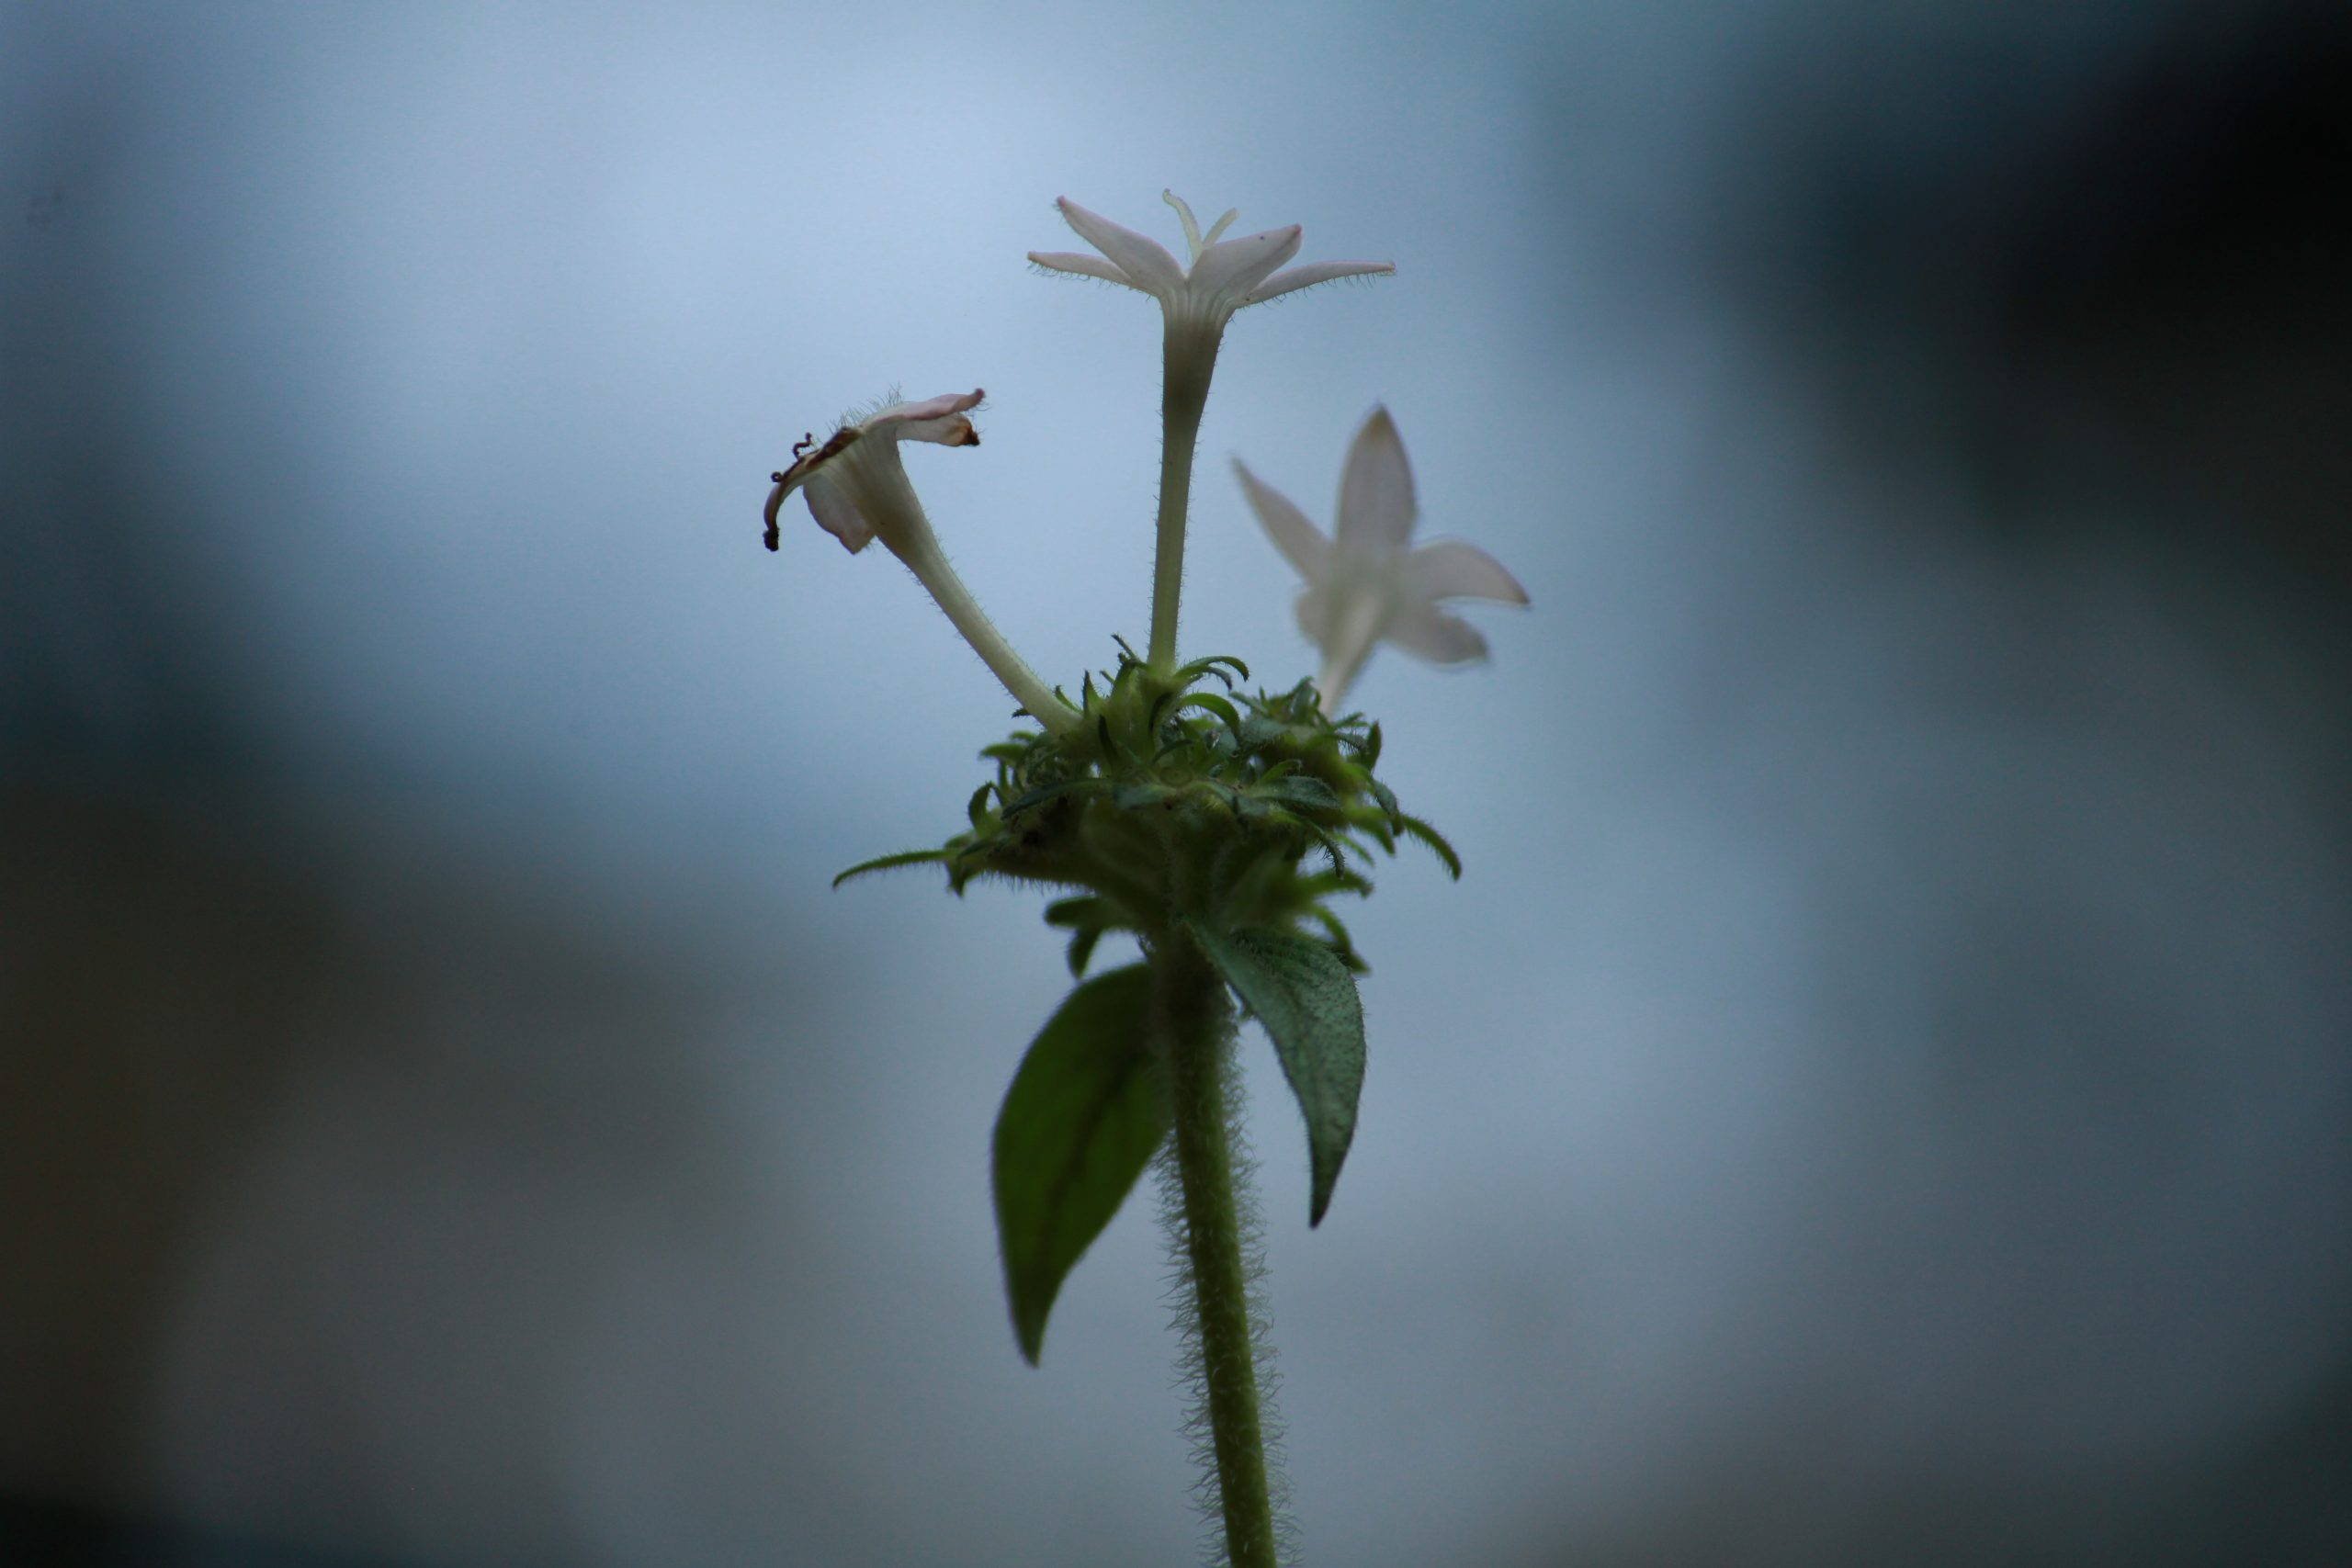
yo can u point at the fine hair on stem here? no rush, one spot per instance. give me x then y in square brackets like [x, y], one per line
[1183, 1311]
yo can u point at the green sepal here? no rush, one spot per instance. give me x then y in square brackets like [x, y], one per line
[1413, 826]
[890, 862]
[1230, 715]
[1335, 937]
[1084, 1115]
[1087, 911]
[1299, 789]
[1304, 995]
[1200, 667]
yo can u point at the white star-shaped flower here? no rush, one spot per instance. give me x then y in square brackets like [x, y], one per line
[856, 488]
[1369, 582]
[1221, 278]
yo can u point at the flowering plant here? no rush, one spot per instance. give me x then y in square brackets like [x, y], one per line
[1216, 826]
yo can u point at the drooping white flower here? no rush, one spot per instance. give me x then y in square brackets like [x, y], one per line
[858, 493]
[1368, 582]
[856, 488]
[1220, 278]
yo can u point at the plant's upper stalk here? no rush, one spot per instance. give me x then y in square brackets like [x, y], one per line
[1370, 582]
[858, 492]
[1197, 298]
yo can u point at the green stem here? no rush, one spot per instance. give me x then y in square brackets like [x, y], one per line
[924, 556]
[1187, 359]
[1195, 1024]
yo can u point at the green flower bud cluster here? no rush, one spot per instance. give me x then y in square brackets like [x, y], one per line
[1174, 802]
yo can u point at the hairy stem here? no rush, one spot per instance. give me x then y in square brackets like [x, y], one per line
[924, 556]
[1187, 359]
[1208, 1220]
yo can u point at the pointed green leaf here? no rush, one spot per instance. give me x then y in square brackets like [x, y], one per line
[1209, 702]
[1301, 790]
[887, 863]
[1308, 1001]
[1414, 826]
[1199, 667]
[1085, 1114]
[1135, 796]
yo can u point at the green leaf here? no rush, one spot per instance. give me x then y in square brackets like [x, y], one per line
[1081, 949]
[1308, 1001]
[1045, 793]
[1413, 826]
[1084, 910]
[1199, 667]
[1342, 945]
[1258, 731]
[1209, 702]
[1301, 790]
[1085, 1114]
[890, 863]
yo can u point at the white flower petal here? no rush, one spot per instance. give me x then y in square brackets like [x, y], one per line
[1315, 608]
[1346, 626]
[1146, 262]
[1376, 504]
[1455, 568]
[772, 536]
[934, 419]
[1085, 265]
[1436, 634]
[1300, 541]
[953, 431]
[1233, 267]
[831, 505]
[1308, 276]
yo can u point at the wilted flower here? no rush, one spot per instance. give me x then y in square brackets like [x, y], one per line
[1221, 278]
[855, 486]
[1369, 583]
[858, 493]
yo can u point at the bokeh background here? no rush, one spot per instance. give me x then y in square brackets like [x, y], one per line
[1882, 1093]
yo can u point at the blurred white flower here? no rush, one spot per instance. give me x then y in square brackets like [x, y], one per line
[1369, 583]
[1221, 278]
[856, 489]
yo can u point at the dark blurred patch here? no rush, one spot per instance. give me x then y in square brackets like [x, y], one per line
[157, 980]
[42, 1534]
[190, 938]
[2060, 295]
[2094, 266]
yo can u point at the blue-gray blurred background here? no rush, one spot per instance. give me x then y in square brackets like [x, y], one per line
[1881, 1094]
